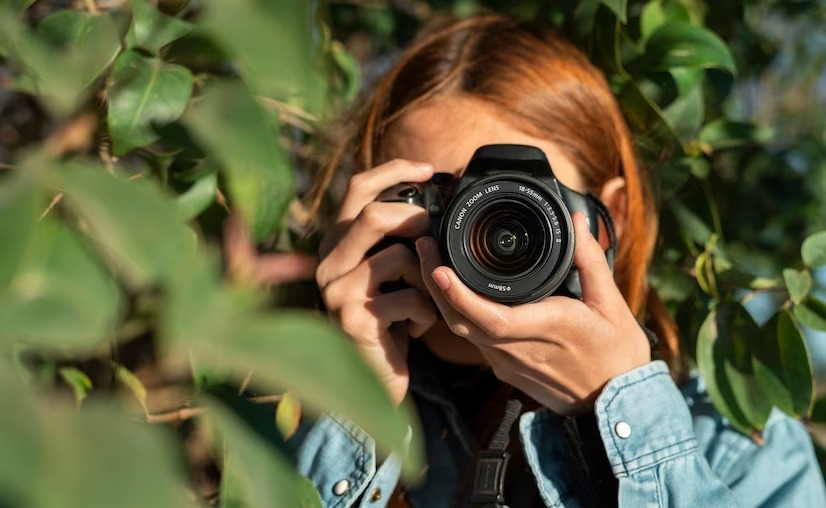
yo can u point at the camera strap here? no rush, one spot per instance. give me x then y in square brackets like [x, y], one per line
[491, 464]
[603, 212]
[605, 215]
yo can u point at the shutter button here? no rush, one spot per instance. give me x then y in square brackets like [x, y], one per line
[623, 430]
[341, 487]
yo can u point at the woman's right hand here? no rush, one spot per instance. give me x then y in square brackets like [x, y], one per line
[379, 323]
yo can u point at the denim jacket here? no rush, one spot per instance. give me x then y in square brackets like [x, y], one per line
[667, 446]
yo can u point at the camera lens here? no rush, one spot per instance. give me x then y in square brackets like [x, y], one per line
[508, 239]
[507, 242]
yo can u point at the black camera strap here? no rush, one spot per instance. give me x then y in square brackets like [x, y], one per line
[605, 215]
[610, 253]
[491, 464]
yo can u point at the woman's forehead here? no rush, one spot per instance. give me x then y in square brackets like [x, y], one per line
[447, 131]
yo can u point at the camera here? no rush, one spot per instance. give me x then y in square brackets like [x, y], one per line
[505, 226]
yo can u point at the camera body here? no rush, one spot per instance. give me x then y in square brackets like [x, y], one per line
[505, 226]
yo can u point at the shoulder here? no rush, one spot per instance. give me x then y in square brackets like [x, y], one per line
[336, 455]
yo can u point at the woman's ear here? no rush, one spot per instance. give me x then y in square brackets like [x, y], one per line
[614, 196]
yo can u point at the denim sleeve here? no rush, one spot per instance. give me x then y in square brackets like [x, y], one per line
[340, 459]
[650, 439]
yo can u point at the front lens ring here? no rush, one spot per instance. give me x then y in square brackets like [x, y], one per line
[460, 213]
[529, 232]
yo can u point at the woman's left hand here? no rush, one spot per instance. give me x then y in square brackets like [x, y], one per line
[560, 351]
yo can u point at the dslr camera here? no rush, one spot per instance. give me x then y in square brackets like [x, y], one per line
[505, 226]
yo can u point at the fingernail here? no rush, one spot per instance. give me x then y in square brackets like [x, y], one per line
[441, 280]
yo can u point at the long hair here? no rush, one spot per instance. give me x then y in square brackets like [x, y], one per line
[549, 90]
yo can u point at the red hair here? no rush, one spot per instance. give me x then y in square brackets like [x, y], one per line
[547, 88]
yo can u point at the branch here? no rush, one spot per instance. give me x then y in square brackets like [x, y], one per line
[175, 416]
[292, 115]
[75, 136]
[266, 399]
[186, 413]
[245, 264]
[52, 204]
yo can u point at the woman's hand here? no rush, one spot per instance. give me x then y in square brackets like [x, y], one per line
[378, 323]
[560, 351]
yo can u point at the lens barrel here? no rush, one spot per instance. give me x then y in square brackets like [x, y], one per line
[509, 238]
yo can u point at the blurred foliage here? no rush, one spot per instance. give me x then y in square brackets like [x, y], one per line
[132, 130]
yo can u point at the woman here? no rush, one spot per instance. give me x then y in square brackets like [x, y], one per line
[605, 424]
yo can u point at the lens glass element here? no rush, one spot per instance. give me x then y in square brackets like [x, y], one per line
[508, 238]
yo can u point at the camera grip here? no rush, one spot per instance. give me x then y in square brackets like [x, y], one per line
[410, 193]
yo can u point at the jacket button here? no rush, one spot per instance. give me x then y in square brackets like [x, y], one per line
[375, 495]
[623, 430]
[341, 487]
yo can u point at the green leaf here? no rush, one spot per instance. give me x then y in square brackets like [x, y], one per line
[586, 13]
[703, 271]
[794, 355]
[811, 314]
[199, 307]
[697, 166]
[618, 7]
[152, 30]
[279, 349]
[711, 364]
[128, 379]
[127, 219]
[752, 369]
[78, 381]
[69, 50]
[723, 134]
[658, 12]
[144, 91]
[272, 43]
[233, 128]
[199, 196]
[671, 178]
[19, 208]
[690, 223]
[60, 298]
[645, 115]
[351, 70]
[685, 115]
[813, 250]
[782, 368]
[748, 394]
[799, 283]
[254, 473]
[737, 335]
[288, 414]
[679, 44]
[307, 493]
[19, 5]
[57, 457]
[686, 79]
